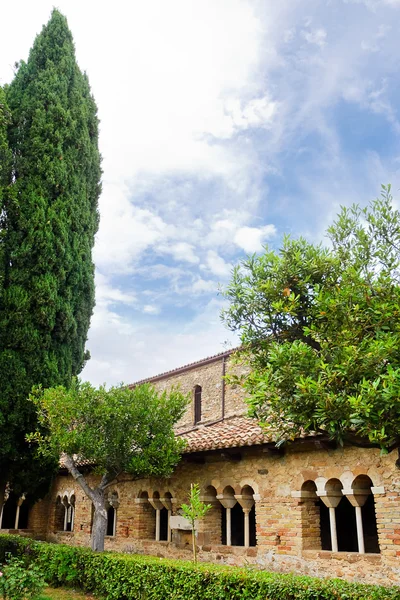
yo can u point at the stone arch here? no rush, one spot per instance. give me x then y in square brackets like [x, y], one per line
[112, 509]
[246, 499]
[309, 489]
[249, 483]
[362, 499]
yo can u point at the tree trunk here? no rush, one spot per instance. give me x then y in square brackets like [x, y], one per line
[99, 528]
[98, 498]
[2, 494]
[194, 544]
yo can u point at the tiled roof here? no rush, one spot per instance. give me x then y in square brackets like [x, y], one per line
[233, 432]
[188, 367]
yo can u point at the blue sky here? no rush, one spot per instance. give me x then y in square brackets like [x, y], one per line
[224, 125]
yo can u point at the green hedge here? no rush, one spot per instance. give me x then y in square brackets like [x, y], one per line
[126, 577]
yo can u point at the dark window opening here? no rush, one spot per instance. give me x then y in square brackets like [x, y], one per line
[23, 515]
[325, 528]
[70, 518]
[110, 521]
[164, 525]
[369, 526]
[223, 525]
[197, 403]
[252, 523]
[346, 526]
[237, 525]
[9, 512]
[59, 515]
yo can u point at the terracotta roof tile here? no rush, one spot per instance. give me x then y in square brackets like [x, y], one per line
[233, 432]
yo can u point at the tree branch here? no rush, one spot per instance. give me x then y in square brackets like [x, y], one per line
[77, 475]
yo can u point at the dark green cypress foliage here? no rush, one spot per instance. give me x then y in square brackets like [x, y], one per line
[49, 229]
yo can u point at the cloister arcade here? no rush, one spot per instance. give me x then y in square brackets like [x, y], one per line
[339, 514]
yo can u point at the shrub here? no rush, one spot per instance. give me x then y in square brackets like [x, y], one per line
[127, 577]
[19, 581]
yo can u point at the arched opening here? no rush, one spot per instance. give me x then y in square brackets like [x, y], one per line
[59, 516]
[246, 500]
[112, 506]
[23, 520]
[237, 519]
[324, 527]
[69, 513]
[197, 403]
[228, 501]
[164, 524]
[363, 502]
[346, 526]
[110, 521]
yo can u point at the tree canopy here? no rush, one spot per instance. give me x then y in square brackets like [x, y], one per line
[320, 330]
[51, 185]
[120, 430]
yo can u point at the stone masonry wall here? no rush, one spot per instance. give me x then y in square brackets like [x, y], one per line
[287, 527]
[209, 377]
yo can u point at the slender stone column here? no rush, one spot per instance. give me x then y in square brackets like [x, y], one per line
[228, 502]
[19, 503]
[228, 527]
[246, 528]
[332, 523]
[157, 505]
[246, 502]
[169, 526]
[360, 530]
[357, 498]
[157, 524]
[331, 499]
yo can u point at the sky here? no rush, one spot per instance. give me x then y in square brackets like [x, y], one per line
[225, 124]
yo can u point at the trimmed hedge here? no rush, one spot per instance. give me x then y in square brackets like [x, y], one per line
[126, 577]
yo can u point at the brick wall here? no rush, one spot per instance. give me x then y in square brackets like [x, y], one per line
[287, 527]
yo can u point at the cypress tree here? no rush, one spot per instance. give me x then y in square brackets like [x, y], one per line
[49, 228]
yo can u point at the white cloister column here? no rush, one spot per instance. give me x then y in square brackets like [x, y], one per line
[157, 524]
[157, 505]
[246, 502]
[167, 503]
[357, 498]
[228, 502]
[331, 499]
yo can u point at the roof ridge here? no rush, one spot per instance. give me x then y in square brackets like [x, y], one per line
[183, 368]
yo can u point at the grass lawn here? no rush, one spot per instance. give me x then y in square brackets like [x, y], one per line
[65, 594]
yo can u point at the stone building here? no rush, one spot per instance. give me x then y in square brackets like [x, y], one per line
[310, 507]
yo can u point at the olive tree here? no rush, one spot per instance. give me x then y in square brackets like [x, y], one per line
[120, 430]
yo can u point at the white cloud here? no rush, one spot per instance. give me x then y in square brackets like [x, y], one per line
[252, 239]
[181, 251]
[126, 231]
[217, 265]
[150, 309]
[315, 36]
[204, 285]
[135, 350]
[107, 295]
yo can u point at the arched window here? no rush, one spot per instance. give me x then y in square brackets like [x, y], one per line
[69, 513]
[197, 403]
[59, 516]
[110, 521]
[238, 517]
[112, 506]
[346, 516]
